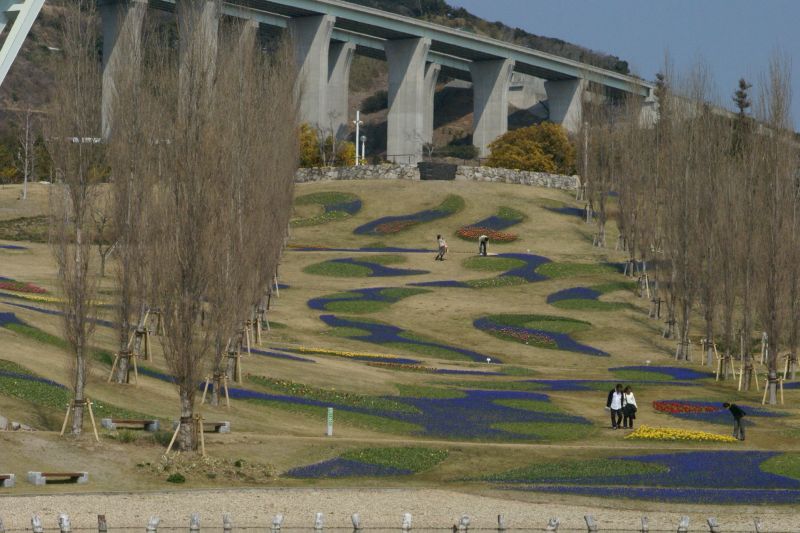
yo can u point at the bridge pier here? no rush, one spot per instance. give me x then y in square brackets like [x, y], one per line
[406, 120]
[564, 98]
[312, 38]
[340, 57]
[431, 77]
[490, 82]
[122, 24]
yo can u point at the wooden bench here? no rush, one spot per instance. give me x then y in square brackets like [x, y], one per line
[42, 478]
[7, 480]
[211, 427]
[125, 423]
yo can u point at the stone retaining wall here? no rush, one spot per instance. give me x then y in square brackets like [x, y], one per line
[411, 172]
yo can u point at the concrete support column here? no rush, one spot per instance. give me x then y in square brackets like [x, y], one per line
[431, 77]
[490, 81]
[122, 31]
[406, 124]
[312, 39]
[564, 100]
[340, 57]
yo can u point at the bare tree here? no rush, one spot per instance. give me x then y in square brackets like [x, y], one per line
[78, 157]
[26, 159]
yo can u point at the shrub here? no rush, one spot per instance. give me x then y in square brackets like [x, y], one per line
[126, 436]
[176, 478]
[162, 437]
[314, 144]
[539, 148]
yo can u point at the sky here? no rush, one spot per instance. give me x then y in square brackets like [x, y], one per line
[734, 38]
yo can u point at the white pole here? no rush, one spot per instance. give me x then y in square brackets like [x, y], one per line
[363, 147]
[358, 124]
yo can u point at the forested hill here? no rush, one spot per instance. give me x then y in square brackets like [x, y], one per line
[440, 12]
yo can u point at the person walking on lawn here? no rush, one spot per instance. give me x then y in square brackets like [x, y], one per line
[614, 403]
[738, 414]
[442, 248]
[629, 408]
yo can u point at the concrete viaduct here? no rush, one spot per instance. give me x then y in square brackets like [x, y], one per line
[327, 33]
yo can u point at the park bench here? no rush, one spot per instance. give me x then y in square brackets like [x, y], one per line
[7, 480]
[211, 427]
[126, 423]
[42, 478]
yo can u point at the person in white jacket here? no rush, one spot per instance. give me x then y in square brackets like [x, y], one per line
[629, 408]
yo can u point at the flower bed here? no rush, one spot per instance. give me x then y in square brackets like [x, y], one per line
[386, 334]
[339, 468]
[54, 312]
[675, 434]
[668, 372]
[336, 206]
[710, 412]
[511, 327]
[14, 247]
[358, 356]
[524, 271]
[564, 385]
[7, 284]
[363, 300]
[431, 370]
[707, 476]
[373, 462]
[280, 355]
[395, 224]
[492, 227]
[351, 267]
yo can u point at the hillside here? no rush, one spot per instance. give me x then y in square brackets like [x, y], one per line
[475, 375]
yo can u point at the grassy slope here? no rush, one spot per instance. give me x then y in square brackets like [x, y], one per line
[290, 437]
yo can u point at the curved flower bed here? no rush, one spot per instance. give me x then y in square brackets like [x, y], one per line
[12, 247]
[431, 370]
[365, 249]
[492, 226]
[671, 372]
[351, 267]
[386, 334]
[675, 434]
[395, 224]
[373, 462]
[98, 321]
[711, 412]
[339, 468]
[363, 300]
[358, 356]
[574, 293]
[526, 273]
[570, 385]
[336, 206]
[8, 284]
[508, 327]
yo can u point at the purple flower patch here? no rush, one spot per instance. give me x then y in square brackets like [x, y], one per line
[9, 318]
[12, 247]
[526, 272]
[380, 271]
[566, 210]
[575, 385]
[106, 323]
[714, 413]
[377, 294]
[561, 341]
[395, 224]
[675, 372]
[385, 333]
[28, 377]
[351, 208]
[339, 467]
[281, 355]
[365, 249]
[574, 293]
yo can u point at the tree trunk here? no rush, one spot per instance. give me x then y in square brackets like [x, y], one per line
[683, 347]
[216, 388]
[186, 435]
[80, 393]
[710, 335]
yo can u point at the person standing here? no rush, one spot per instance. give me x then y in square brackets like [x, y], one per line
[442, 244]
[629, 408]
[482, 241]
[738, 414]
[614, 403]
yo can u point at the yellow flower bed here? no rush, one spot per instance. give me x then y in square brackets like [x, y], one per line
[32, 297]
[650, 433]
[340, 353]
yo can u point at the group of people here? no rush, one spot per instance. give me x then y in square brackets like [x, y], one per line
[483, 240]
[622, 404]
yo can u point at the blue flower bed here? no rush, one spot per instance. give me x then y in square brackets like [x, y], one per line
[574, 293]
[720, 415]
[27, 377]
[675, 372]
[339, 467]
[561, 340]
[394, 224]
[351, 208]
[566, 210]
[364, 249]
[576, 385]
[680, 495]
[526, 272]
[707, 476]
[9, 318]
[376, 294]
[100, 321]
[385, 333]
[378, 270]
[280, 355]
[466, 372]
[12, 247]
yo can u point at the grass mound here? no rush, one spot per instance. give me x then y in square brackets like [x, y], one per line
[395, 224]
[336, 206]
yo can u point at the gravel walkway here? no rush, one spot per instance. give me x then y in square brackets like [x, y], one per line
[378, 508]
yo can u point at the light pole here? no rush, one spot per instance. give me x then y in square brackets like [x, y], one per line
[363, 147]
[358, 124]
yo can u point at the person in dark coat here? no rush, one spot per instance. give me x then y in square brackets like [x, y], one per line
[614, 404]
[738, 414]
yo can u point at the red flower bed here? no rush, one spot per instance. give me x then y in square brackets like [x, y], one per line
[674, 407]
[524, 336]
[18, 286]
[471, 233]
[394, 227]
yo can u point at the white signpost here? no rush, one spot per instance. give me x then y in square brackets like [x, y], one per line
[330, 422]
